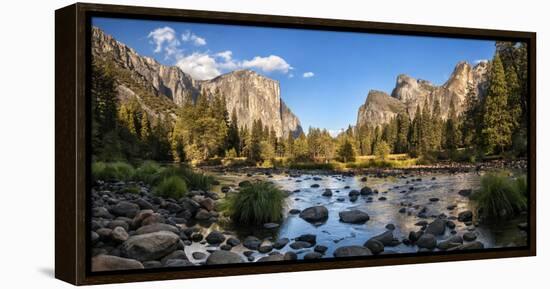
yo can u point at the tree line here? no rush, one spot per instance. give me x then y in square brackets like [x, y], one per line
[202, 129]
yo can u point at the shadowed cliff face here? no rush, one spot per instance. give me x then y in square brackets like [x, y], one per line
[380, 108]
[252, 95]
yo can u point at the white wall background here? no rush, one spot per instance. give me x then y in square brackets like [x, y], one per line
[27, 143]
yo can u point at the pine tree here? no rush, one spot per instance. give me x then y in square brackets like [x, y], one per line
[300, 148]
[403, 126]
[256, 137]
[233, 139]
[426, 129]
[452, 132]
[104, 100]
[471, 119]
[437, 125]
[497, 123]
[514, 97]
[145, 133]
[382, 150]
[346, 152]
[415, 131]
[289, 148]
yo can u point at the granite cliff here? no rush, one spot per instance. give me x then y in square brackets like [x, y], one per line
[251, 95]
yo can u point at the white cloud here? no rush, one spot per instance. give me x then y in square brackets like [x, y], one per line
[481, 60]
[308, 74]
[291, 75]
[200, 66]
[192, 37]
[206, 65]
[165, 39]
[226, 55]
[268, 64]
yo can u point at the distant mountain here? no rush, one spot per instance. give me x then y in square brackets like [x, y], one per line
[379, 107]
[160, 89]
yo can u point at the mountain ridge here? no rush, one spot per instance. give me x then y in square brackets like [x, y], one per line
[379, 107]
[253, 96]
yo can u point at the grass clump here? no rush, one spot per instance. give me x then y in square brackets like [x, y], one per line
[194, 180]
[501, 195]
[172, 187]
[116, 171]
[256, 204]
[147, 171]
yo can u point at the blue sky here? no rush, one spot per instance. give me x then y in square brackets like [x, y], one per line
[324, 76]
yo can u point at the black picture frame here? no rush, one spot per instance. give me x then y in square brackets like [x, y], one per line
[72, 69]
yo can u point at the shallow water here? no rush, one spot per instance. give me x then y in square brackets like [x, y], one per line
[334, 233]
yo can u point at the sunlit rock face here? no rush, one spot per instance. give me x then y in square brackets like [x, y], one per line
[251, 95]
[380, 108]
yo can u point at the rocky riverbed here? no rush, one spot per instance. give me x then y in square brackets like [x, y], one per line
[326, 216]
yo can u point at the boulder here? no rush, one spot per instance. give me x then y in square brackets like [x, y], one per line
[469, 236]
[327, 193]
[313, 255]
[375, 246]
[252, 243]
[320, 249]
[125, 209]
[300, 245]
[426, 241]
[272, 258]
[465, 193]
[316, 214]
[452, 242]
[294, 211]
[176, 255]
[477, 245]
[233, 242]
[157, 227]
[151, 246]
[310, 238]
[289, 256]
[202, 215]
[366, 191]
[223, 257]
[111, 263]
[385, 238]
[198, 255]
[119, 235]
[101, 212]
[353, 217]
[119, 223]
[215, 238]
[265, 247]
[437, 227]
[280, 243]
[178, 263]
[208, 204]
[465, 216]
[350, 251]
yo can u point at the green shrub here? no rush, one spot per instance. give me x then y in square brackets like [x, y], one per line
[194, 180]
[147, 172]
[171, 187]
[500, 195]
[197, 181]
[255, 204]
[117, 171]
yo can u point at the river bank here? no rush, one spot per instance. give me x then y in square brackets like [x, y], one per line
[327, 214]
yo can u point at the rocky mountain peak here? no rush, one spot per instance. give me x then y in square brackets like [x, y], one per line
[252, 95]
[410, 93]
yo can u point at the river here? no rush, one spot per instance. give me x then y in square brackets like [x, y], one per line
[436, 192]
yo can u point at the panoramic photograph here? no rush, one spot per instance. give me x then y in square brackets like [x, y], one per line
[215, 144]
